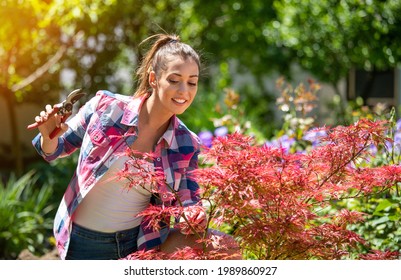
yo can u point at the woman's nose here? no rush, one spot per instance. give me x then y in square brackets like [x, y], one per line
[183, 88]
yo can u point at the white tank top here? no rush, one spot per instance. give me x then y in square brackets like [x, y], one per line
[110, 205]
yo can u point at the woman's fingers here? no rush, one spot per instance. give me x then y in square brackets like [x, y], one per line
[49, 108]
[44, 115]
[64, 127]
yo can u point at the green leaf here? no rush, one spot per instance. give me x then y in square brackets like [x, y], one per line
[382, 206]
[379, 221]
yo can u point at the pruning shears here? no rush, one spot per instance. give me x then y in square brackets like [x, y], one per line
[63, 109]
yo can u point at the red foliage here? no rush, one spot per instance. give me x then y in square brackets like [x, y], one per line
[276, 202]
[380, 255]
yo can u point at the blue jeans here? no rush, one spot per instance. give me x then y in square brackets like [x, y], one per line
[86, 244]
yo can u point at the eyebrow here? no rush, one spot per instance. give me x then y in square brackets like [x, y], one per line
[191, 76]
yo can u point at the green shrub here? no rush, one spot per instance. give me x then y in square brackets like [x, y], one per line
[24, 215]
[381, 227]
[57, 174]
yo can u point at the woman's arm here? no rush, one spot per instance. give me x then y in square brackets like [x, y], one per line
[70, 137]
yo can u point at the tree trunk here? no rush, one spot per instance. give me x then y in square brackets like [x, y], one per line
[16, 150]
[343, 103]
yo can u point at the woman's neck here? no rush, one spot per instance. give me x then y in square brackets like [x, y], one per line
[151, 126]
[152, 117]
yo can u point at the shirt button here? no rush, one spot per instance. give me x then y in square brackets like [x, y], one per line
[158, 159]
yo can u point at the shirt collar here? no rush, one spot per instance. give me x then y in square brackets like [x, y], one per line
[131, 114]
[131, 111]
[168, 135]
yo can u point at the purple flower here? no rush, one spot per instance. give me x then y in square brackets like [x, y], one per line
[286, 142]
[314, 136]
[221, 131]
[397, 141]
[206, 138]
[283, 142]
[398, 125]
[372, 150]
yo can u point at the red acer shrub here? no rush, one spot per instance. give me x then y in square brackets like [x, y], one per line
[277, 203]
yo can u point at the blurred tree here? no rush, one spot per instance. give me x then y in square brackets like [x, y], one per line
[234, 38]
[27, 52]
[95, 44]
[330, 37]
[35, 38]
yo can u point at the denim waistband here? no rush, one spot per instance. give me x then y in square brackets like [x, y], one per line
[120, 235]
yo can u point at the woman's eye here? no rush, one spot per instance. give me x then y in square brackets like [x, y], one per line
[173, 81]
[192, 84]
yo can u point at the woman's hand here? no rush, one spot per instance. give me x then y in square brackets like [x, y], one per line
[48, 122]
[194, 218]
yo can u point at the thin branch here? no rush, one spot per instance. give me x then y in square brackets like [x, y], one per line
[41, 70]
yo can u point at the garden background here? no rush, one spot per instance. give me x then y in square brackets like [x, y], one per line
[273, 70]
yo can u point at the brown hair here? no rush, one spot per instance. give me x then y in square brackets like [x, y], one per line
[156, 59]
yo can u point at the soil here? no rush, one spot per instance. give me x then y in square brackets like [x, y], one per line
[26, 255]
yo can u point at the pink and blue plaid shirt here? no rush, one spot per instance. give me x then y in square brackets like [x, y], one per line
[105, 127]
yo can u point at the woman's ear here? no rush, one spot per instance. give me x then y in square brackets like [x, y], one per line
[152, 79]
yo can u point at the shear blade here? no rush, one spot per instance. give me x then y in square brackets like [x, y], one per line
[74, 96]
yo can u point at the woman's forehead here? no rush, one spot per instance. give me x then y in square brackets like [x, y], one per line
[179, 65]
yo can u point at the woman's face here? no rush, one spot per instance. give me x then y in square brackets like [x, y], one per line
[176, 87]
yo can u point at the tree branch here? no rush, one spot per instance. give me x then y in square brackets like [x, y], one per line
[41, 70]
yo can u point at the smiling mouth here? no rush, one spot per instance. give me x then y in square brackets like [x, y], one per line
[179, 100]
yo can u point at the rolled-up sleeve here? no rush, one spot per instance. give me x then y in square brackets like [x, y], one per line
[48, 157]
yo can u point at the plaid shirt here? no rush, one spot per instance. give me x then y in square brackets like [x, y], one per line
[97, 131]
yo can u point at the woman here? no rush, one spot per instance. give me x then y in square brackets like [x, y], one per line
[96, 219]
